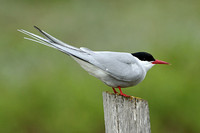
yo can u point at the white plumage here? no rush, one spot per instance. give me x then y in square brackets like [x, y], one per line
[115, 69]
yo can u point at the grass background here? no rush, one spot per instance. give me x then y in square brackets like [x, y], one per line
[44, 91]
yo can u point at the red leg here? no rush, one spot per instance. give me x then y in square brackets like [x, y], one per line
[114, 90]
[121, 93]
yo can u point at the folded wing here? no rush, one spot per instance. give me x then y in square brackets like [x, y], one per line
[116, 64]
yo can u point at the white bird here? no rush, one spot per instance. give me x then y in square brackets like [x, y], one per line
[115, 69]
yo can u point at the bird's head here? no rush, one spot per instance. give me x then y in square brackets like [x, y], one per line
[147, 60]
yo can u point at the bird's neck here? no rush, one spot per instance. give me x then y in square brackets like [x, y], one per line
[146, 65]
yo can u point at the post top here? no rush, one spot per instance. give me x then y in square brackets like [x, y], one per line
[131, 98]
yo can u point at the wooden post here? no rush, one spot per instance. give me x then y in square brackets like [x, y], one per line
[125, 115]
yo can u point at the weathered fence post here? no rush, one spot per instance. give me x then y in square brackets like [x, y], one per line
[125, 115]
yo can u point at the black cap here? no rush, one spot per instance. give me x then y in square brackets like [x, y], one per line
[143, 56]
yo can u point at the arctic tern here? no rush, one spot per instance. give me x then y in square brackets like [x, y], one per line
[115, 69]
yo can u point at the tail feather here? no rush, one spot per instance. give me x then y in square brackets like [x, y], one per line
[39, 41]
[48, 38]
[55, 40]
[37, 38]
[51, 41]
[34, 36]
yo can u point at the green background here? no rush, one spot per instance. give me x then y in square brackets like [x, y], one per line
[45, 91]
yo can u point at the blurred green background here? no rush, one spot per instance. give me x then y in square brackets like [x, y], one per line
[44, 91]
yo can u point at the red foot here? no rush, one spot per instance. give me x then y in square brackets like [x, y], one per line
[121, 93]
[114, 90]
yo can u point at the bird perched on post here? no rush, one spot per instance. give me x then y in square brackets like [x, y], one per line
[115, 69]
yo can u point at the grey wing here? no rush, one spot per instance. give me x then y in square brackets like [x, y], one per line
[121, 66]
[115, 64]
[82, 53]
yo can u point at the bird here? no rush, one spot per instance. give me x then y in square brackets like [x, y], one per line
[115, 69]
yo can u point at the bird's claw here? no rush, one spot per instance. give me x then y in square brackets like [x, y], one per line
[121, 93]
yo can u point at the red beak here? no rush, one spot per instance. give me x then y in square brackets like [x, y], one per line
[159, 62]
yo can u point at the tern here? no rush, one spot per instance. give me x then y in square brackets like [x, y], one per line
[115, 69]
